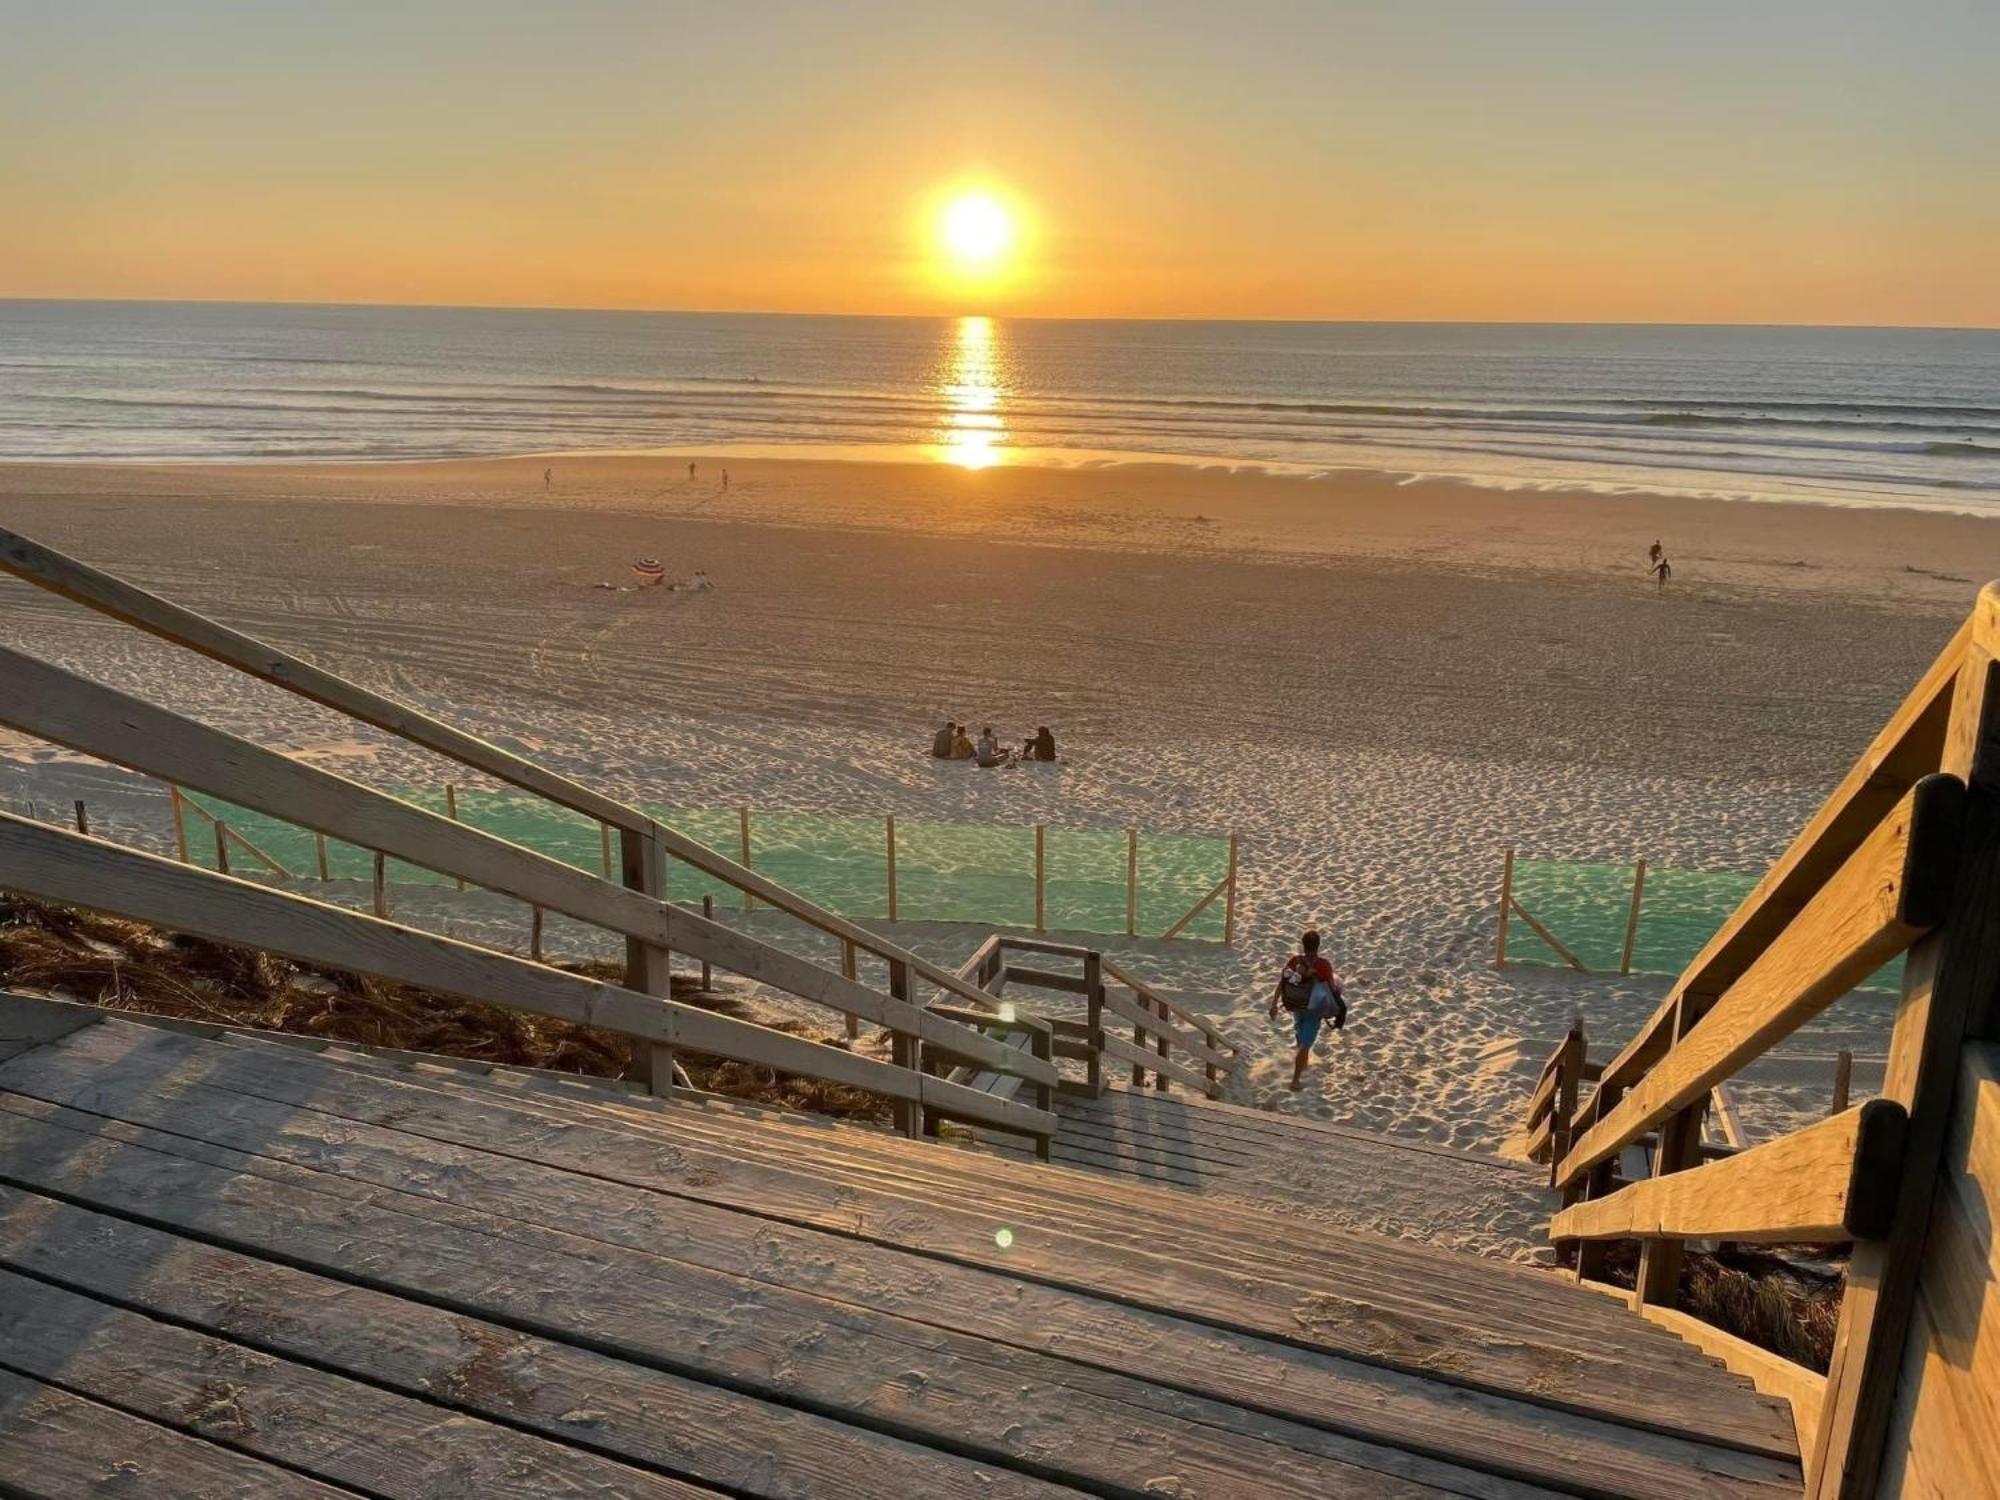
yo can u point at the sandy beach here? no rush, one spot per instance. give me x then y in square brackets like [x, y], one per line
[1378, 685]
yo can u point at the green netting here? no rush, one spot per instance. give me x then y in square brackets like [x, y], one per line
[945, 872]
[1586, 907]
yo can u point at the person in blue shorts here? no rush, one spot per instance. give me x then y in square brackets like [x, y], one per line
[1311, 991]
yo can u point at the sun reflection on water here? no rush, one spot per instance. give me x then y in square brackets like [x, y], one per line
[974, 435]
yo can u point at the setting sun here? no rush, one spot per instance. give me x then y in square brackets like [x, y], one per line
[976, 230]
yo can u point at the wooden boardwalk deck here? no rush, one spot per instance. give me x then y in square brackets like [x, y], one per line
[1354, 1179]
[232, 1268]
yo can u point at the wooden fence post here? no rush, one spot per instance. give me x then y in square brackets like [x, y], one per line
[82, 818]
[905, 1052]
[1093, 990]
[221, 847]
[450, 811]
[535, 933]
[1041, 876]
[1843, 1079]
[1229, 901]
[1160, 1009]
[1506, 908]
[381, 883]
[319, 851]
[1131, 882]
[180, 822]
[1139, 1041]
[849, 962]
[743, 840]
[708, 969]
[889, 824]
[604, 847]
[1632, 918]
[648, 967]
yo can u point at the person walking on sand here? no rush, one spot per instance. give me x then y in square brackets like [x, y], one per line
[548, 477]
[690, 469]
[1662, 570]
[1654, 553]
[725, 481]
[1311, 991]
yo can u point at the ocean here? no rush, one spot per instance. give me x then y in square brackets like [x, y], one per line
[1853, 416]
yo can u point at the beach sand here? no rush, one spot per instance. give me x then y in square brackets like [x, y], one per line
[1379, 685]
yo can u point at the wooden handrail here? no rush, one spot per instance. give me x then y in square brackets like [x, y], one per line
[60, 706]
[61, 574]
[1887, 893]
[71, 869]
[1830, 1182]
[1205, 1027]
[1907, 748]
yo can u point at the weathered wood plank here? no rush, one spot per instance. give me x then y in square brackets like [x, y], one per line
[1885, 896]
[71, 710]
[989, 1401]
[26, 1022]
[650, 1416]
[1827, 1183]
[1200, 1023]
[1804, 1390]
[1041, 1244]
[66, 867]
[57, 1446]
[1118, 1047]
[292, 1413]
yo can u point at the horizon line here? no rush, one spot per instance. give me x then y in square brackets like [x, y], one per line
[724, 312]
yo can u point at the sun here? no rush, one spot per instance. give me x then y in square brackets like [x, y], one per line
[976, 230]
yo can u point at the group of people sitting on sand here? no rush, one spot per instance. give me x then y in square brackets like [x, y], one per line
[953, 742]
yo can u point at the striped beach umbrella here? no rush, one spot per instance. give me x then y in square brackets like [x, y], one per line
[650, 570]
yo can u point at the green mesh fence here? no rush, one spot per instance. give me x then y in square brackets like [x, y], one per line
[945, 872]
[1586, 907]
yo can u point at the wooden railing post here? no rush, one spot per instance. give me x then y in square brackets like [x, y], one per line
[889, 846]
[1948, 973]
[535, 933]
[1229, 900]
[1632, 917]
[82, 818]
[1159, 1008]
[1041, 877]
[180, 822]
[743, 840]
[1139, 1040]
[319, 855]
[905, 1052]
[849, 966]
[1506, 908]
[381, 880]
[451, 811]
[1131, 882]
[1569, 1077]
[1677, 1147]
[1093, 993]
[1843, 1080]
[1590, 1254]
[648, 967]
[221, 846]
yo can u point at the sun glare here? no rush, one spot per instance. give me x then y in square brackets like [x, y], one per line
[976, 229]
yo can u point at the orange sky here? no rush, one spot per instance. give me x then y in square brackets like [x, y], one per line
[1793, 161]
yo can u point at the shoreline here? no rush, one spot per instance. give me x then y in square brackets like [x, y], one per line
[933, 455]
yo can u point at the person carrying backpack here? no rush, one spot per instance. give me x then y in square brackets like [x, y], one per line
[1311, 991]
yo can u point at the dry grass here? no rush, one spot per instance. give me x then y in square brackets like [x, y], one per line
[1779, 1304]
[130, 966]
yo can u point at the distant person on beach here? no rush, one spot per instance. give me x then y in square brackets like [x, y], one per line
[548, 477]
[690, 470]
[725, 481]
[1662, 570]
[1041, 747]
[1654, 554]
[941, 741]
[990, 753]
[1311, 991]
[961, 744]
